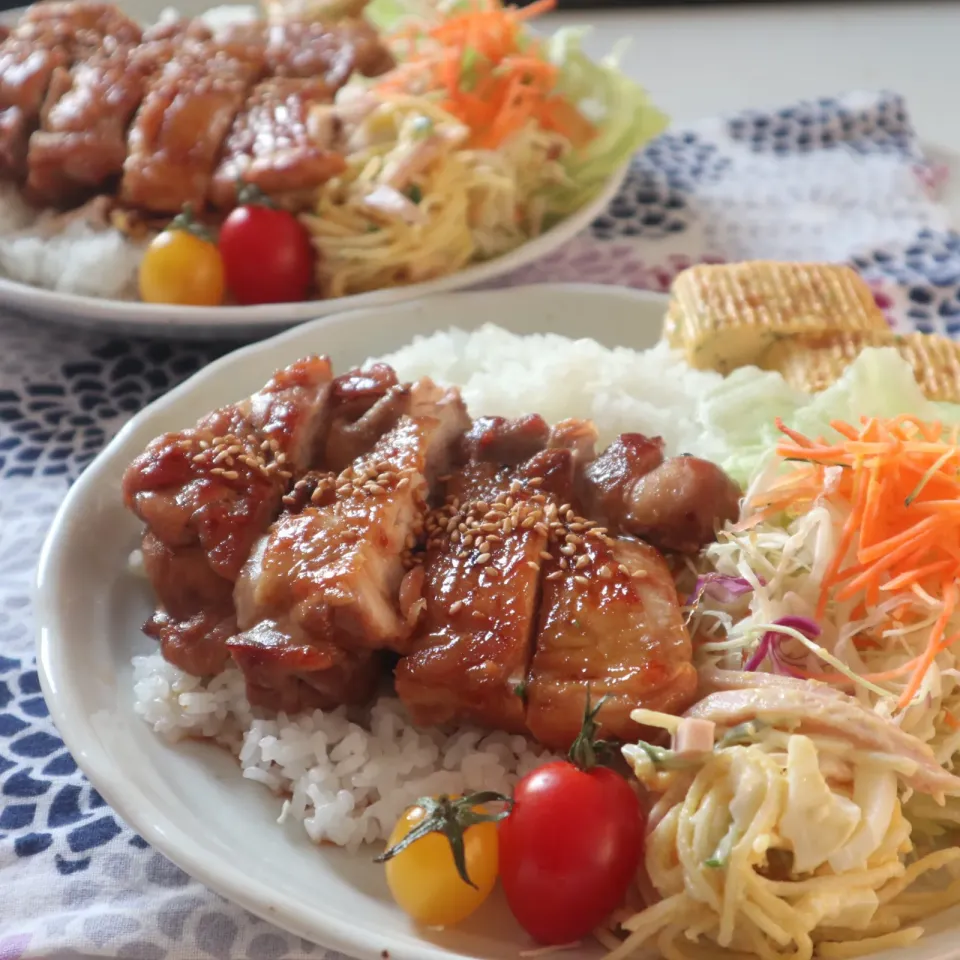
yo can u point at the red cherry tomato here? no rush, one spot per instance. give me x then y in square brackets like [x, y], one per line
[267, 255]
[569, 849]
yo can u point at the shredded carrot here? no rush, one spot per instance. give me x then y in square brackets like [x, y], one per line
[493, 77]
[899, 488]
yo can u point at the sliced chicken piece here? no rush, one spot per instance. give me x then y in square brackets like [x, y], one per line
[335, 574]
[207, 494]
[578, 436]
[269, 147]
[676, 504]
[198, 644]
[183, 580]
[482, 569]
[313, 49]
[81, 145]
[219, 484]
[819, 709]
[609, 622]
[177, 31]
[282, 675]
[506, 442]
[49, 38]
[84, 25]
[365, 405]
[177, 134]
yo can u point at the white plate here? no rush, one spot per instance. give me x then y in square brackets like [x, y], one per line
[189, 800]
[147, 319]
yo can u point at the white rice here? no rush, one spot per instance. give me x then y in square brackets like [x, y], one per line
[349, 781]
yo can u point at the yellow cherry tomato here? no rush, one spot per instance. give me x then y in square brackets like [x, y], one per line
[181, 268]
[423, 877]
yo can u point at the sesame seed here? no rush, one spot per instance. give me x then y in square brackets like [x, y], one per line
[583, 581]
[404, 482]
[483, 558]
[533, 566]
[217, 471]
[623, 570]
[556, 575]
[639, 574]
[456, 606]
[568, 549]
[582, 561]
[231, 475]
[545, 555]
[604, 572]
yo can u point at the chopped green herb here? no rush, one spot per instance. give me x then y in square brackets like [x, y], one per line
[664, 759]
[373, 228]
[742, 733]
[520, 690]
[415, 193]
[715, 863]
[468, 67]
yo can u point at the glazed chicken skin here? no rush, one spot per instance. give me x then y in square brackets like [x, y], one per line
[187, 112]
[481, 582]
[80, 148]
[91, 105]
[676, 504]
[49, 38]
[611, 624]
[268, 145]
[534, 604]
[333, 577]
[326, 526]
[207, 494]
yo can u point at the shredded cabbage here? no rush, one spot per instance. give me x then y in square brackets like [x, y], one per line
[622, 112]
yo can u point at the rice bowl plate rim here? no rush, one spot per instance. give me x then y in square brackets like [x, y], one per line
[64, 606]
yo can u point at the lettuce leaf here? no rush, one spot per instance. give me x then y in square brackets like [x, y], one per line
[621, 110]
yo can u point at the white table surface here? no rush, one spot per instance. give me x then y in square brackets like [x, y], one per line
[703, 60]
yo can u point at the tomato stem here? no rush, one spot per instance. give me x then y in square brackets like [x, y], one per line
[249, 194]
[587, 751]
[452, 818]
[187, 222]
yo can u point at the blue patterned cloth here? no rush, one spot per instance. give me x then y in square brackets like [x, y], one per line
[74, 880]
